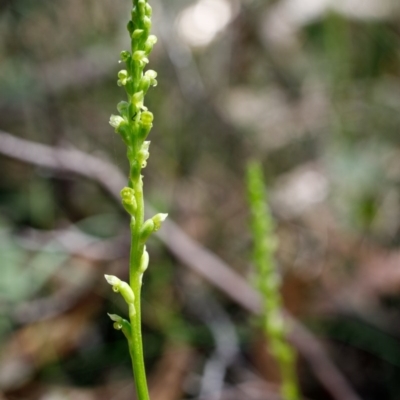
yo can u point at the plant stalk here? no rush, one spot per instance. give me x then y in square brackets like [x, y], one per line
[136, 350]
[135, 281]
[133, 124]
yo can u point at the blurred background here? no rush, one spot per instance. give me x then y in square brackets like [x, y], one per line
[311, 88]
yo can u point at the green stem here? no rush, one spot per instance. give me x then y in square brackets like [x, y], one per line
[135, 343]
[136, 348]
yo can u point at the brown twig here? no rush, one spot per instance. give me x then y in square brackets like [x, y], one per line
[76, 242]
[189, 252]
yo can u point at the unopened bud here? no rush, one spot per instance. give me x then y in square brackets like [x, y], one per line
[158, 219]
[121, 287]
[137, 33]
[147, 23]
[137, 100]
[144, 154]
[146, 123]
[150, 42]
[147, 118]
[152, 225]
[148, 10]
[129, 200]
[141, 6]
[144, 84]
[144, 261]
[121, 323]
[147, 230]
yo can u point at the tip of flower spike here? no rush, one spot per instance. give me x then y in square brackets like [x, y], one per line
[111, 279]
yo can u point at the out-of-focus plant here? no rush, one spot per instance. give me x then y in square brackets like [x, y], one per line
[267, 279]
[133, 124]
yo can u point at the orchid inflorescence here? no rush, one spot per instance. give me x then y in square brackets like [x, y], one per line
[133, 125]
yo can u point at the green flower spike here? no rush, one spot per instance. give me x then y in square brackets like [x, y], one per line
[133, 124]
[265, 243]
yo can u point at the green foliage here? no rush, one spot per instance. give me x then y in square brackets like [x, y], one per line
[133, 124]
[268, 281]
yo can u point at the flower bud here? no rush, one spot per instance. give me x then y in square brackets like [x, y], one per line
[144, 84]
[145, 123]
[148, 10]
[144, 154]
[123, 77]
[150, 42]
[112, 280]
[114, 317]
[137, 33]
[152, 225]
[151, 75]
[118, 123]
[147, 230]
[140, 56]
[125, 55]
[144, 261]
[117, 321]
[137, 100]
[145, 146]
[121, 323]
[128, 200]
[134, 13]
[146, 118]
[158, 219]
[141, 6]
[121, 287]
[147, 23]
[121, 126]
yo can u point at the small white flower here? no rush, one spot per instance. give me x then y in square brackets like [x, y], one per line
[116, 121]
